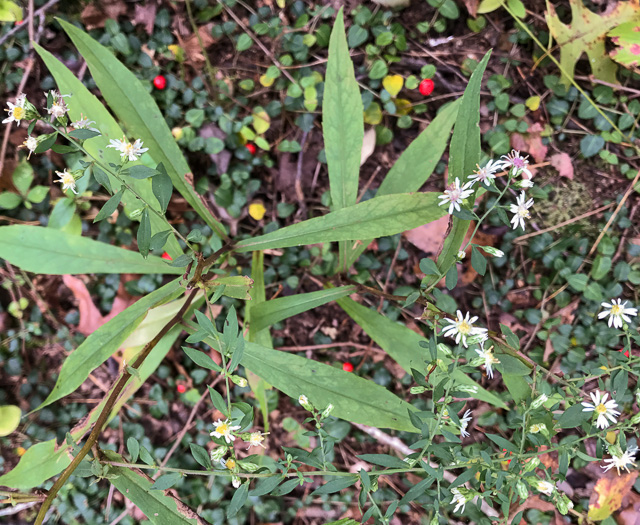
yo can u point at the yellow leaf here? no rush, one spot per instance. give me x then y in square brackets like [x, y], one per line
[177, 133]
[533, 103]
[257, 210]
[393, 84]
[611, 437]
[177, 51]
[267, 81]
[9, 419]
[247, 134]
[403, 106]
[608, 494]
[373, 114]
[261, 121]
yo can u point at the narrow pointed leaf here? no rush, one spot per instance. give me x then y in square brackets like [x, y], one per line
[54, 252]
[374, 218]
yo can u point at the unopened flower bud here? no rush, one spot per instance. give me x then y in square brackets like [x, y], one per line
[235, 481]
[417, 390]
[471, 389]
[638, 396]
[444, 349]
[532, 464]
[522, 490]
[304, 401]
[248, 466]
[635, 419]
[327, 411]
[30, 111]
[461, 255]
[240, 381]
[493, 251]
[563, 503]
[538, 402]
[136, 213]
[218, 453]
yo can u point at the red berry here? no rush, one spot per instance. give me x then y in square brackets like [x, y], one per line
[626, 354]
[166, 256]
[426, 87]
[181, 389]
[347, 367]
[251, 148]
[160, 82]
[19, 22]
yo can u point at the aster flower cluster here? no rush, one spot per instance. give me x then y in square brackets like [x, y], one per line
[516, 164]
[229, 432]
[56, 106]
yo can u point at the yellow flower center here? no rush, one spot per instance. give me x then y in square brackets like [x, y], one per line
[256, 439]
[223, 429]
[128, 149]
[616, 310]
[464, 328]
[523, 212]
[67, 179]
[18, 113]
[230, 463]
[601, 409]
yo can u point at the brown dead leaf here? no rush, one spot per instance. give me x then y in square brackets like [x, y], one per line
[562, 162]
[429, 237]
[631, 514]
[609, 492]
[532, 502]
[531, 143]
[145, 14]
[549, 460]
[96, 13]
[90, 317]
[192, 50]
[472, 7]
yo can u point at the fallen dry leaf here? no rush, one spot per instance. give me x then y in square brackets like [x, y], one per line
[609, 492]
[531, 142]
[472, 7]
[562, 162]
[90, 317]
[96, 13]
[429, 237]
[368, 145]
[191, 45]
[145, 14]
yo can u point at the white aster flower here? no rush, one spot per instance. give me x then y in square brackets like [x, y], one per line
[455, 194]
[622, 461]
[617, 312]
[545, 487]
[462, 327]
[83, 123]
[229, 464]
[488, 359]
[224, 429]
[58, 106]
[520, 211]
[458, 499]
[537, 428]
[127, 149]
[464, 423]
[518, 163]
[487, 174]
[67, 180]
[256, 439]
[31, 144]
[603, 408]
[16, 111]
[461, 255]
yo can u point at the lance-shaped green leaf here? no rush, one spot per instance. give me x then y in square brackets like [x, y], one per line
[353, 398]
[83, 102]
[106, 340]
[136, 108]
[374, 218]
[47, 459]
[270, 312]
[258, 385]
[342, 125]
[416, 164]
[464, 156]
[54, 252]
[403, 345]
[160, 506]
